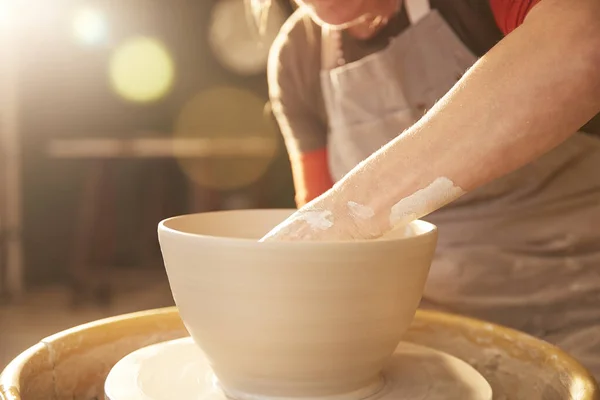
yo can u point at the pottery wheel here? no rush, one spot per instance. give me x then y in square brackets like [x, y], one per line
[413, 373]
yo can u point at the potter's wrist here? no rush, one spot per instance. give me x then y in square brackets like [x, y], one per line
[352, 209]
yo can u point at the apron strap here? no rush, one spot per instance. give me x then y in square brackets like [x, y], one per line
[329, 44]
[417, 9]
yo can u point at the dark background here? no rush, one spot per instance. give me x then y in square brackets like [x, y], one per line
[64, 94]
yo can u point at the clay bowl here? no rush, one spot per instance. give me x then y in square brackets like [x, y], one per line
[293, 319]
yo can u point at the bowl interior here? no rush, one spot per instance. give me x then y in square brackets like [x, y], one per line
[239, 224]
[251, 225]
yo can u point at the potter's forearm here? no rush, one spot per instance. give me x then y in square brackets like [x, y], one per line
[526, 96]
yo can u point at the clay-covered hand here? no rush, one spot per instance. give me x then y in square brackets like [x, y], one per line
[326, 218]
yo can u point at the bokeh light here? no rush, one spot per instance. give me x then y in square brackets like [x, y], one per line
[141, 70]
[242, 142]
[235, 43]
[90, 26]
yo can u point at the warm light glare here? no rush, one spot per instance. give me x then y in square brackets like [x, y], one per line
[578, 389]
[25, 16]
[141, 70]
[6, 12]
[89, 26]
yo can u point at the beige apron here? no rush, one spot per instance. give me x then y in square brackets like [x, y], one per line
[523, 251]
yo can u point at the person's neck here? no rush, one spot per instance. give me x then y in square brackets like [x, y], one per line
[376, 21]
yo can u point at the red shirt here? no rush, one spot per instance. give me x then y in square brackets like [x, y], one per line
[510, 14]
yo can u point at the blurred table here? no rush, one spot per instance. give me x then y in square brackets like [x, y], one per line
[100, 148]
[101, 152]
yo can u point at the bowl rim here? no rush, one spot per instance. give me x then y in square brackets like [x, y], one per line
[429, 232]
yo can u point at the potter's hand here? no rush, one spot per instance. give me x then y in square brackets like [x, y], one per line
[326, 218]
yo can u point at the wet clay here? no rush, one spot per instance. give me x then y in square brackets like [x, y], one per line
[293, 319]
[178, 370]
[436, 195]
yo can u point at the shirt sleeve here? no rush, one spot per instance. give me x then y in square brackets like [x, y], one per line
[310, 171]
[509, 14]
[292, 74]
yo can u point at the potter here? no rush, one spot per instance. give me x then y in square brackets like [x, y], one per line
[381, 101]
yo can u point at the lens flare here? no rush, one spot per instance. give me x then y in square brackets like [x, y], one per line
[234, 142]
[141, 70]
[89, 26]
[240, 36]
